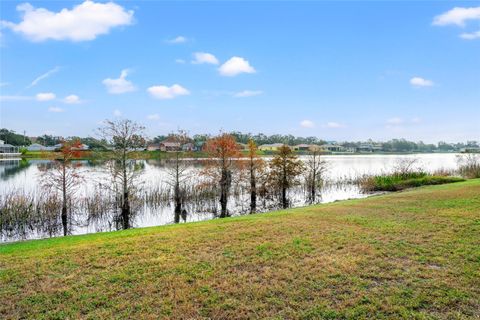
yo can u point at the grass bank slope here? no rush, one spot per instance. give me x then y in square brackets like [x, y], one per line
[414, 254]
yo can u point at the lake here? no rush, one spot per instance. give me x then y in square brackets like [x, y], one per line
[154, 206]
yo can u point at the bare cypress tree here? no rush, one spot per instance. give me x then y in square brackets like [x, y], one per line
[124, 136]
[177, 174]
[64, 177]
[255, 167]
[315, 169]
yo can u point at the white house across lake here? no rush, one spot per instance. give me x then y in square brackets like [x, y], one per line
[7, 150]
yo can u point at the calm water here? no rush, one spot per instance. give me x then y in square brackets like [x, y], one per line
[25, 176]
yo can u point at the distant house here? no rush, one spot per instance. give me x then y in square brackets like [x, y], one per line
[349, 149]
[270, 147]
[332, 148]
[302, 147]
[153, 147]
[369, 147]
[242, 146]
[36, 147]
[170, 146]
[188, 147]
[83, 146]
[198, 146]
[6, 148]
[57, 147]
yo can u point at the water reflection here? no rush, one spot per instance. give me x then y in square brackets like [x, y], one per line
[10, 167]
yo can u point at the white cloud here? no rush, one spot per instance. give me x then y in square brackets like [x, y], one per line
[55, 109]
[395, 121]
[43, 76]
[180, 61]
[247, 93]
[117, 113]
[204, 57]
[416, 120]
[470, 35]
[457, 16]
[177, 40]
[235, 66]
[45, 96]
[153, 117]
[421, 82]
[166, 92]
[307, 124]
[334, 125]
[120, 85]
[72, 99]
[83, 22]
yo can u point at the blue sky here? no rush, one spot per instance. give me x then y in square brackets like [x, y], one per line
[337, 70]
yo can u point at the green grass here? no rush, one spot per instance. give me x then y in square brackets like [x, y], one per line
[412, 255]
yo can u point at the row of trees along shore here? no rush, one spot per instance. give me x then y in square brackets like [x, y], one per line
[222, 164]
[394, 145]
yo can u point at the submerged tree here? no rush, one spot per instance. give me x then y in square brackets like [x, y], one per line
[178, 174]
[285, 168]
[315, 169]
[222, 150]
[64, 177]
[124, 136]
[255, 167]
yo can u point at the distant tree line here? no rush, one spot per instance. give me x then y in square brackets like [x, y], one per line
[13, 138]
[394, 145]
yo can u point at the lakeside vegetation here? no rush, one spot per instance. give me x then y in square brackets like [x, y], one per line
[227, 175]
[413, 255]
[408, 173]
[394, 182]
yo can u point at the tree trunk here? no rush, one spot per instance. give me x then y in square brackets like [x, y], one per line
[284, 187]
[178, 203]
[64, 202]
[126, 200]
[64, 219]
[313, 190]
[126, 211]
[253, 191]
[224, 184]
[284, 198]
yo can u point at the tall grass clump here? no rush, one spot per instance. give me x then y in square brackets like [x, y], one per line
[23, 213]
[407, 174]
[469, 165]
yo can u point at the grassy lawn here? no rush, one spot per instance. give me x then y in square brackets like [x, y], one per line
[412, 254]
